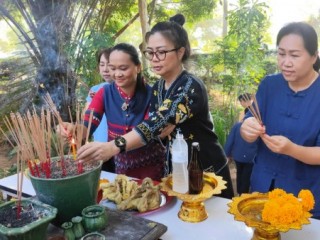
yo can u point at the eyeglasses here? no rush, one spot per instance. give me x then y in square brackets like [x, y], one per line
[160, 54]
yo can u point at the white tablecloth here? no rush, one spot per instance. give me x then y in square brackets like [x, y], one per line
[219, 225]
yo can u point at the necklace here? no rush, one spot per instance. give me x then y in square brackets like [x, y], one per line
[126, 99]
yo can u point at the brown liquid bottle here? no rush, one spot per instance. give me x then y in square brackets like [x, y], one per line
[195, 170]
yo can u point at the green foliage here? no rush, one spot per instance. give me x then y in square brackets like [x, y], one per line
[192, 10]
[8, 171]
[238, 62]
[242, 51]
[219, 123]
[223, 120]
[195, 10]
[82, 55]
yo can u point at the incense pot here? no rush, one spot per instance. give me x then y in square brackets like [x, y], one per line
[35, 230]
[69, 194]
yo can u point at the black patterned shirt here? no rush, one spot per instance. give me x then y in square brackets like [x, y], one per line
[184, 104]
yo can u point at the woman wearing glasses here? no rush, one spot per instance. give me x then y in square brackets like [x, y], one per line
[125, 102]
[179, 101]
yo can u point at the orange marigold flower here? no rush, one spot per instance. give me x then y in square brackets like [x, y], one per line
[307, 199]
[283, 209]
[270, 210]
[277, 192]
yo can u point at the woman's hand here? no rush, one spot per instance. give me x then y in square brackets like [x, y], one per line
[277, 144]
[251, 129]
[167, 131]
[65, 129]
[97, 151]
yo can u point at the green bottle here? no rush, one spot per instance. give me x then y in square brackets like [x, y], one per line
[67, 230]
[77, 228]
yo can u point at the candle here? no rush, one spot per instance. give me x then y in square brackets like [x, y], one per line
[73, 146]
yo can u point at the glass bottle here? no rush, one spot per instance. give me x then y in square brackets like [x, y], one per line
[195, 170]
[180, 164]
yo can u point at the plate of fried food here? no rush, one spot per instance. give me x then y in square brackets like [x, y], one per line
[140, 197]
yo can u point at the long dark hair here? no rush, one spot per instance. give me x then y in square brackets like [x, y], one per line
[134, 56]
[173, 31]
[308, 34]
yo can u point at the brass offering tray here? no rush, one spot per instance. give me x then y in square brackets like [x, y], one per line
[193, 208]
[248, 208]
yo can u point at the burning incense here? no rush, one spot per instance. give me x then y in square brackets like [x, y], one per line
[73, 146]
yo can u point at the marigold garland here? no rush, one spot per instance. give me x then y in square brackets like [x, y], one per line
[284, 208]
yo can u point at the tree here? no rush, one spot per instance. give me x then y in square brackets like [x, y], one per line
[243, 49]
[238, 61]
[47, 29]
[61, 37]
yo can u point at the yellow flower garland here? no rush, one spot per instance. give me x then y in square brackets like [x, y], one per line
[283, 208]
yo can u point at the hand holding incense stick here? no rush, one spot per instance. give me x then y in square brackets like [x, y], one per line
[254, 108]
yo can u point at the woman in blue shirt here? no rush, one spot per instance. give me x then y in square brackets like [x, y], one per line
[101, 133]
[288, 154]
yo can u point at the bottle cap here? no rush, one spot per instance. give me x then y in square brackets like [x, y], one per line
[179, 135]
[196, 145]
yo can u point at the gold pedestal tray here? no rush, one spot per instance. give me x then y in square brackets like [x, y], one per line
[248, 208]
[193, 208]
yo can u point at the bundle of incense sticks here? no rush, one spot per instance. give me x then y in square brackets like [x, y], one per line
[34, 136]
[76, 136]
[254, 108]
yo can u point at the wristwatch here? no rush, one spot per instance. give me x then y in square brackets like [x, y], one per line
[121, 143]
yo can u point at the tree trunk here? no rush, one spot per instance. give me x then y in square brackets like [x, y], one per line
[47, 33]
[225, 18]
[54, 74]
[143, 13]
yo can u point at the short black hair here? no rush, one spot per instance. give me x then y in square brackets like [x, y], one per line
[244, 97]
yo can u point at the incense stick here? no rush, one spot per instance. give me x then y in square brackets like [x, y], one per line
[254, 108]
[257, 106]
[32, 135]
[89, 125]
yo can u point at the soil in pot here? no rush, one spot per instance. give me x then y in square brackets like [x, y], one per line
[66, 167]
[9, 215]
[32, 222]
